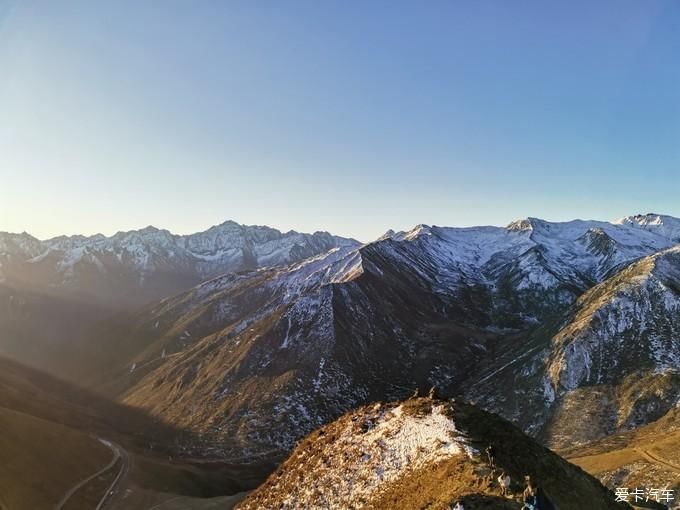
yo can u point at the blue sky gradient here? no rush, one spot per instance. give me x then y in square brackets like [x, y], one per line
[352, 117]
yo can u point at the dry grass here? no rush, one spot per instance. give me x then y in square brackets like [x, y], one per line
[458, 477]
[647, 457]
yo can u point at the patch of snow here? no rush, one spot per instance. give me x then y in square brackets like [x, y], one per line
[317, 380]
[286, 339]
[392, 445]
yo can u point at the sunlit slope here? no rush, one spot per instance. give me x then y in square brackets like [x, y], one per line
[647, 457]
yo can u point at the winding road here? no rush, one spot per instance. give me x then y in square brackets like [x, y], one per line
[119, 453]
[124, 468]
[654, 459]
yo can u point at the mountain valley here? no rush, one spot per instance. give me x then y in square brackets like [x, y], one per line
[237, 344]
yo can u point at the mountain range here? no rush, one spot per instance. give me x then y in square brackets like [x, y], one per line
[536, 321]
[248, 339]
[53, 291]
[142, 265]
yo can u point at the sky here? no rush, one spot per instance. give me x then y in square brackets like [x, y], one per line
[347, 116]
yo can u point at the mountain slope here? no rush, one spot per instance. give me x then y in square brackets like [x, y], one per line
[253, 361]
[614, 357]
[646, 457]
[49, 438]
[40, 460]
[421, 453]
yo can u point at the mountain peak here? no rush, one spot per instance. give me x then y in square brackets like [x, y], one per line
[418, 231]
[150, 229]
[524, 224]
[228, 225]
[663, 224]
[387, 235]
[21, 235]
[650, 218]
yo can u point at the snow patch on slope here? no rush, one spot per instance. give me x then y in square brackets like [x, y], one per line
[393, 444]
[638, 315]
[666, 226]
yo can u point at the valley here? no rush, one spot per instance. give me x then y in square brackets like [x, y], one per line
[62, 447]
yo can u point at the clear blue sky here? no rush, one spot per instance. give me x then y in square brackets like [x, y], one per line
[352, 117]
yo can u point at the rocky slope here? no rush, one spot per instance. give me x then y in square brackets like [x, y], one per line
[421, 453]
[614, 358]
[505, 316]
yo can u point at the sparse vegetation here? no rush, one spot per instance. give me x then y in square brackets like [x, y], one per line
[334, 459]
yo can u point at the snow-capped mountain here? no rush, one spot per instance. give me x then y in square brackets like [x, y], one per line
[614, 355]
[148, 264]
[52, 292]
[667, 226]
[255, 360]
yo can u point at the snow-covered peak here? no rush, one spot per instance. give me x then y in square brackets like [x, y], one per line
[418, 231]
[156, 258]
[387, 235]
[524, 224]
[643, 219]
[18, 244]
[664, 225]
[150, 235]
[148, 230]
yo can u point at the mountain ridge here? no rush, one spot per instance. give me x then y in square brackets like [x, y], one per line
[434, 306]
[52, 292]
[421, 453]
[450, 305]
[226, 247]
